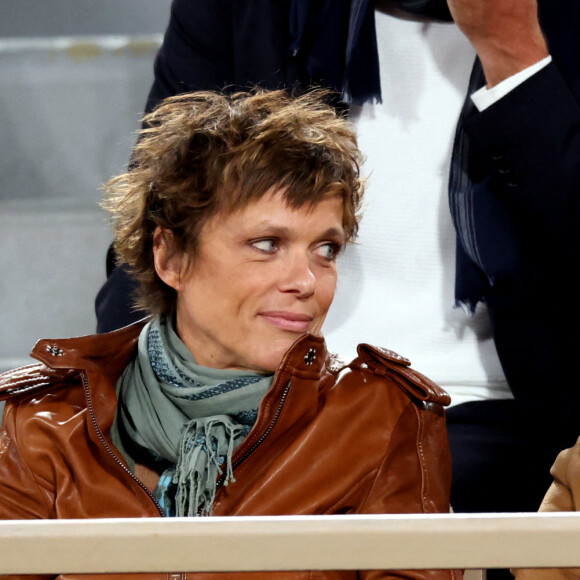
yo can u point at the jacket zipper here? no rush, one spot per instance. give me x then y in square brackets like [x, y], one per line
[110, 451]
[263, 436]
[222, 477]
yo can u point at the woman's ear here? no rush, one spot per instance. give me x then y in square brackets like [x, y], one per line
[168, 262]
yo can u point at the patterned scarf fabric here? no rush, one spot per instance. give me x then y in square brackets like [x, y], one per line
[192, 416]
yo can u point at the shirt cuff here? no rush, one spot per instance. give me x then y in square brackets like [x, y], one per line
[484, 97]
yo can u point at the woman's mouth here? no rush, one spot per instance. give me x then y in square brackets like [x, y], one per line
[289, 321]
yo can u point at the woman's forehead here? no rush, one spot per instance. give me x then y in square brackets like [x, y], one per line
[274, 212]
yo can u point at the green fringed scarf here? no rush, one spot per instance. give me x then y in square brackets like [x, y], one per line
[192, 416]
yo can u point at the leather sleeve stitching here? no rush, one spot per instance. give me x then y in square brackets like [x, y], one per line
[421, 455]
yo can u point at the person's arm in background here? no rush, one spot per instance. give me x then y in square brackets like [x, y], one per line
[533, 132]
[526, 163]
[506, 34]
[223, 45]
[528, 146]
[562, 496]
[197, 50]
[529, 139]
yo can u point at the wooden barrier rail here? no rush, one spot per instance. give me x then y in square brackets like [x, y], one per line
[290, 543]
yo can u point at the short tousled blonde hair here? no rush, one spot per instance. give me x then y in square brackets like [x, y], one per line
[203, 153]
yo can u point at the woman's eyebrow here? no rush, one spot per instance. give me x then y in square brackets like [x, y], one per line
[275, 229]
[334, 233]
[285, 232]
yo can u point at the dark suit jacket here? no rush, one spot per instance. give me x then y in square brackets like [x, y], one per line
[526, 161]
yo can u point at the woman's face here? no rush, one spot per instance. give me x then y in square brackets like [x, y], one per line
[263, 276]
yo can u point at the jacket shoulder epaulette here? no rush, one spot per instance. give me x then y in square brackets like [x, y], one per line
[29, 379]
[385, 362]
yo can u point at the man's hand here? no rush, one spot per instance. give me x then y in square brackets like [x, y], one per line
[505, 33]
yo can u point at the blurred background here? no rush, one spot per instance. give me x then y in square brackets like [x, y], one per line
[74, 76]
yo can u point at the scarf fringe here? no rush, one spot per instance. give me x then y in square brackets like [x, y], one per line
[200, 464]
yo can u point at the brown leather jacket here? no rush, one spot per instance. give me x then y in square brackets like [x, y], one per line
[369, 438]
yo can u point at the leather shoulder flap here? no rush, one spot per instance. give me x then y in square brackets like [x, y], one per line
[32, 379]
[385, 362]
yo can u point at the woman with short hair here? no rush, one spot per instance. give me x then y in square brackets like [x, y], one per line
[225, 401]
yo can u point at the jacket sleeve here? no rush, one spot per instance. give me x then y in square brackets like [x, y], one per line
[20, 493]
[430, 8]
[223, 45]
[21, 496]
[418, 453]
[197, 51]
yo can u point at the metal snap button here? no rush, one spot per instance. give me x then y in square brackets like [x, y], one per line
[53, 350]
[310, 357]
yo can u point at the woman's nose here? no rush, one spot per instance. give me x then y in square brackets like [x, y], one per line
[297, 276]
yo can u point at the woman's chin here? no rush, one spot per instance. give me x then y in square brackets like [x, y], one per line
[269, 357]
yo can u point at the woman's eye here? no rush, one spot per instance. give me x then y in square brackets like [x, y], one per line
[328, 251]
[268, 245]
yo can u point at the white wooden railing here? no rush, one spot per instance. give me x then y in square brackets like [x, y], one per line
[470, 541]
